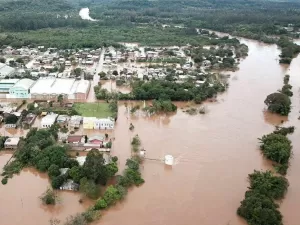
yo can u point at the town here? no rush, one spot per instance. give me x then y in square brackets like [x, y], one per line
[69, 97]
[40, 87]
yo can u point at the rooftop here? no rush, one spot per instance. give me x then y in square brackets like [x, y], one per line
[5, 70]
[24, 83]
[60, 86]
[50, 118]
[12, 141]
[74, 138]
[9, 81]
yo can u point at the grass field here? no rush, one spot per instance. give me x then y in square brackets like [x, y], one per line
[99, 110]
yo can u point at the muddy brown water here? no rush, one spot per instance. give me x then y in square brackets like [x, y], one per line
[214, 153]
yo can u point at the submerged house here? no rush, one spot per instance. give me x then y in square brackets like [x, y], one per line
[98, 124]
[103, 124]
[76, 139]
[88, 122]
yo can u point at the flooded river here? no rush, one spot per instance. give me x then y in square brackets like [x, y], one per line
[214, 154]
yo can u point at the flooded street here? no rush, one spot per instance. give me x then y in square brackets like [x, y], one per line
[111, 86]
[214, 153]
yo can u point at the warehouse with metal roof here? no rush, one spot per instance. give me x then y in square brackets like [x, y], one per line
[50, 88]
[21, 89]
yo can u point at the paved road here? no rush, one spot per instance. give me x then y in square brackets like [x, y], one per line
[96, 79]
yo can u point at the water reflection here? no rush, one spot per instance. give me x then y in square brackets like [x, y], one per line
[274, 119]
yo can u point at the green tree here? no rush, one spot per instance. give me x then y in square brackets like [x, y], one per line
[112, 169]
[60, 99]
[11, 119]
[94, 167]
[76, 173]
[57, 182]
[49, 197]
[77, 71]
[278, 103]
[284, 130]
[102, 74]
[100, 204]
[266, 183]
[287, 90]
[111, 195]
[89, 188]
[277, 148]
[53, 171]
[20, 60]
[62, 68]
[257, 208]
[78, 219]
[30, 106]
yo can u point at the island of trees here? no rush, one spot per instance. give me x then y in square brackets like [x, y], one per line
[166, 90]
[279, 102]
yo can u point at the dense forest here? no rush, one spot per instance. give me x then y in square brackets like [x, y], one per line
[143, 20]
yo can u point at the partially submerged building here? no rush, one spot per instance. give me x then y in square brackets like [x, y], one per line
[98, 123]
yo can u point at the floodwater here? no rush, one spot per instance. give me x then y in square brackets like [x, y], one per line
[214, 153]
[20, 203]
[111, 85]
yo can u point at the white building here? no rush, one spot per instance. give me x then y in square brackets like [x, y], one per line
[50, 88]
[97, 123]
[12, 143]
[48, 120]
[5, 70]
[104, 124]
[21, 89]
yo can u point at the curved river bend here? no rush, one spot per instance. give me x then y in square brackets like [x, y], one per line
[214, 154]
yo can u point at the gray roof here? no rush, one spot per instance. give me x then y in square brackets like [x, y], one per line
[5, 70]
[24, 83]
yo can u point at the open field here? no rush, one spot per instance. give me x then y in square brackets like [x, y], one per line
[99, 110]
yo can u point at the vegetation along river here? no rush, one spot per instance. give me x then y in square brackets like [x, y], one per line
[214, 154]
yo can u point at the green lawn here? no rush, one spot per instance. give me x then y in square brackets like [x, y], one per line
[99, 110]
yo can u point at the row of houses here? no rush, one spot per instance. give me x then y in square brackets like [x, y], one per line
[44, 88]
[75, 121]
[75, 141]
